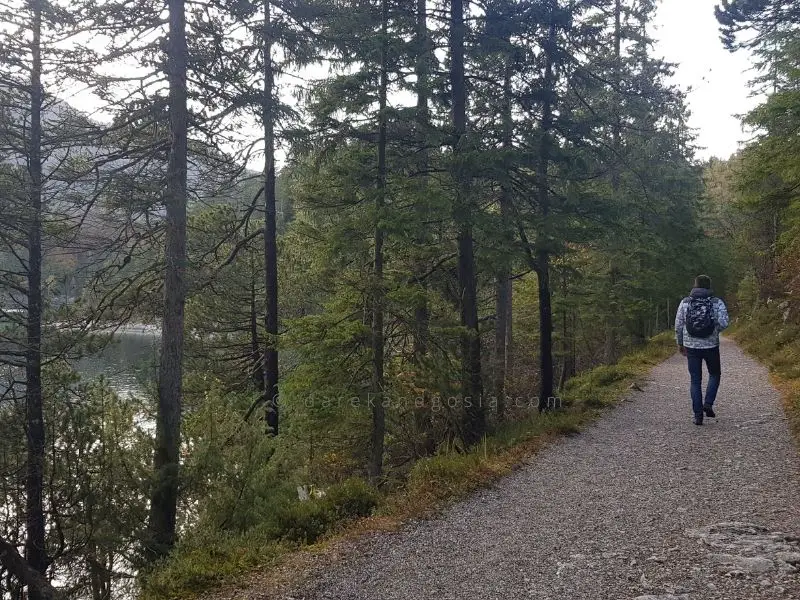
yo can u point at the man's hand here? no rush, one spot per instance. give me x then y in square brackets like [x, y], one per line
[682, 350]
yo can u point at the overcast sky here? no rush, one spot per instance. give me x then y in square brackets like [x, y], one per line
[687, 34]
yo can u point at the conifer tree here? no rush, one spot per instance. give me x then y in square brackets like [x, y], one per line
[37, 131]
[474, 425]
[164, 498]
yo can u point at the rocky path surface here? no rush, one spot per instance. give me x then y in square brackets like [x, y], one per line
[643, 505]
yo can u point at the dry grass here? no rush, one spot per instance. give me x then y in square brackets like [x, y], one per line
[766, 337]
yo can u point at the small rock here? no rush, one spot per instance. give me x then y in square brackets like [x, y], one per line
[746, 564]
[736, 573]
[793, 558]
[562, 566]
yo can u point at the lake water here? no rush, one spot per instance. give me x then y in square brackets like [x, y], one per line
[129, 362]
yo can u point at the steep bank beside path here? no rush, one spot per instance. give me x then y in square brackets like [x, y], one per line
[641, 505]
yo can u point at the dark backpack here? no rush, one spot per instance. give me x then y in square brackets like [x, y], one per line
[700, 322]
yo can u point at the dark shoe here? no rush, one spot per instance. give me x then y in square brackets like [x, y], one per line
[698, 420]
[709, 410]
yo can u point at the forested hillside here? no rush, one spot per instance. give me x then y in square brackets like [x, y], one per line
[755, 195]
[369, 232]
[756, 191]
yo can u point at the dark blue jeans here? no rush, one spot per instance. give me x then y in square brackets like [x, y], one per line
[696, 357]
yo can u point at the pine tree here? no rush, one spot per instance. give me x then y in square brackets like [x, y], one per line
[474, 425]
[36, 131]
[166, 461]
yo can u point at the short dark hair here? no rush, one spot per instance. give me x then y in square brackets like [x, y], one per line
[702, 281]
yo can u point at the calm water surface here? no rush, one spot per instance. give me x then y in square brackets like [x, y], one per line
[128, 362]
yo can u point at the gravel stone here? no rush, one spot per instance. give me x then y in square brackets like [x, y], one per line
[638, 507]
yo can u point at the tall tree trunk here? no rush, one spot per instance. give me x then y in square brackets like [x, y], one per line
[474, 425]
[545, 331]
[422, 70]
[422, 415]
[502, 292]
[35, 550]
[257, 365]
[510, 332]
[164, 497]
[611, 342]
[543, 250]
[503, 284]
[378, 412]
[567, 337]
[270, 229]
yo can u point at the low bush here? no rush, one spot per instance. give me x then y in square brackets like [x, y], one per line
[303, 522]
[206, 559]
[352, 498]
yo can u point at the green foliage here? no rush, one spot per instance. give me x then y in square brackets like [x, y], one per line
[756, 191]
[306, 521]
[601, 386]
[208, 559]
[99, 460]
[353, 497]
[303, 522]
[210, 556]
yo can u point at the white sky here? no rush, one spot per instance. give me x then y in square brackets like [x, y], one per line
[688, 34]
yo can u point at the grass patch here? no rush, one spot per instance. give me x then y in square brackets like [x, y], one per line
[440, 480]
[206, 561]
[602, 386]
[212, 560]
[776, 344]
[437, 481]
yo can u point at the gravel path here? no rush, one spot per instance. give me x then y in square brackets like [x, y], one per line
[641, 505]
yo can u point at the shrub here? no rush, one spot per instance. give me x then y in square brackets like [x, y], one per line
[307, 521]
[206, 559]
[353, 497]
[445, 475]
[303, 522]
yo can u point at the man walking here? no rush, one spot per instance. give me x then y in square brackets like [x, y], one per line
[700, 318]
